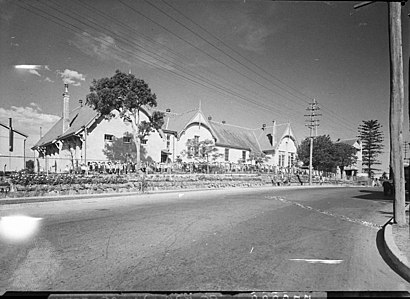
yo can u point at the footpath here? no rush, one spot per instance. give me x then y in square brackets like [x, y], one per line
[397, 246]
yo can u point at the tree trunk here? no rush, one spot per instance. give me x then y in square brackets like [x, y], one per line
[135, 128]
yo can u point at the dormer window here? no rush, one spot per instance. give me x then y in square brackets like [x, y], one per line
[270, 138]
[108, 137]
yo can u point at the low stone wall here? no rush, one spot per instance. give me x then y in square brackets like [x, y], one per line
[153, 182]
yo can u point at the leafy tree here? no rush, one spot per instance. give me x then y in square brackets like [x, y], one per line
[323, 153]
[201, 151]
[344, 155]
[372, 144]
[118, 150]
[259, 158]
[127, 95]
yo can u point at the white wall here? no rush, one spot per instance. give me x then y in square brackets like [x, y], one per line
[96, 144]
[190, 133]
[11, 161]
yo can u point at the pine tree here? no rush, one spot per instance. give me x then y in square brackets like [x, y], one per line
[372, 144]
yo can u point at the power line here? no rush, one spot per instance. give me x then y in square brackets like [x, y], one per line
[208, 83]
[240, 55]
[212, 84]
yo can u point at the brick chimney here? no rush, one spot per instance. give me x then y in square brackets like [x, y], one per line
[66, 109]
[273, 132]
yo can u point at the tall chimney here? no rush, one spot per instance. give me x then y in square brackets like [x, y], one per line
[273, 132]
[66, 109]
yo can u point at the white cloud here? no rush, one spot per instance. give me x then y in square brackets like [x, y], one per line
[249, 29]
[71, 77]
[36, 106]
[32, 68]
[254, 37]
[34, 72]
[47, 79]
[103, 46]
[106, 47]
[28, 115]
[28, 66]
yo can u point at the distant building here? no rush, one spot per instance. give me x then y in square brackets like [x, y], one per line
[356, 168]
[12, 160]
[236, 144]
[82, 136]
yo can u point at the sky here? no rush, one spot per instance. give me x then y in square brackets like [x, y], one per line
[248, 62]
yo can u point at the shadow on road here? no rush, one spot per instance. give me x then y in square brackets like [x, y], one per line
[374, 195]
[388, 214]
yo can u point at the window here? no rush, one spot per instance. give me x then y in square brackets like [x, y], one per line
[244, 156]
[108, 137]
[227, 154]
[196, 139]
[168, 141]
[126, 139]
[281, 159]
[143, 141]
[291, 159]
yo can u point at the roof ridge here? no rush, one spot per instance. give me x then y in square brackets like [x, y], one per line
[225, 124]
[174, 114]
[284, 124]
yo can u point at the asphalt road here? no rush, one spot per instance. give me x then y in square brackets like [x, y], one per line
[294, 239]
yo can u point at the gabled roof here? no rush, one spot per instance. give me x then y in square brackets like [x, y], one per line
[82, 116]
[235, 136]
[177, 122]
[14, 130]
[229, 135]
[278, 132]
[79, 117]
[349, 141]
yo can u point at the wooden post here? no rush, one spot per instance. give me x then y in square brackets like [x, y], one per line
[396, 111]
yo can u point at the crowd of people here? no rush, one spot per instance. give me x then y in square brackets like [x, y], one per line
[117, 167]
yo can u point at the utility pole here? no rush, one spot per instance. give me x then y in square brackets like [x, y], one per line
[312, 124]
[396, 111]
[396, 108]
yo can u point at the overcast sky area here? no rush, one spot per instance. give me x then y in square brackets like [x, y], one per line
[247, 62]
